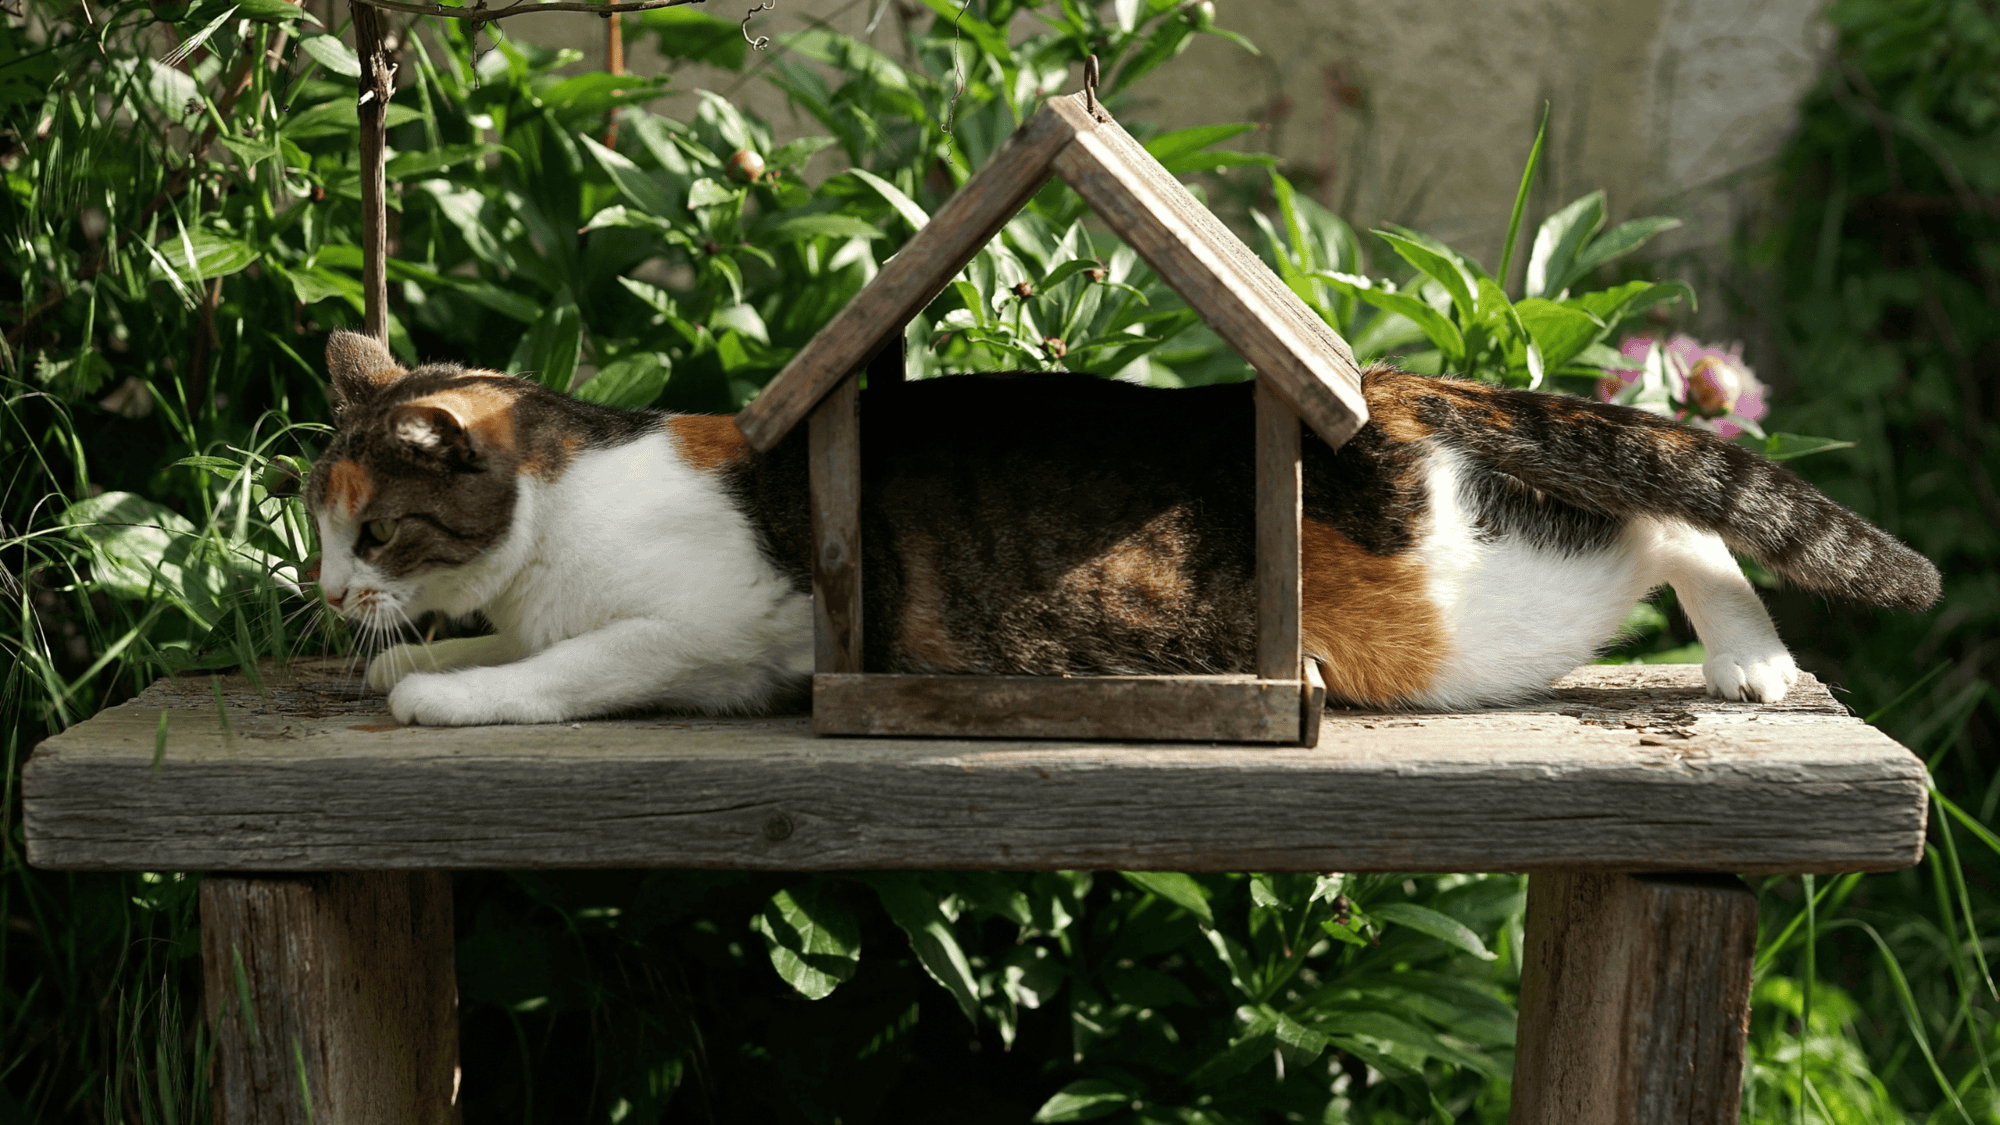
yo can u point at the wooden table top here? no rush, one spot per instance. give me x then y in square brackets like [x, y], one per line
[1617, 769]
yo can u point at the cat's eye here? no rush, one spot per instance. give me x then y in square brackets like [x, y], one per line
[380, 531]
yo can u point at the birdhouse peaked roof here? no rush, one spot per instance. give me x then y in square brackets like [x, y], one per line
[1238, 296]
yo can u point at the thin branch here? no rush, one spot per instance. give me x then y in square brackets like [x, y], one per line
[488, 15]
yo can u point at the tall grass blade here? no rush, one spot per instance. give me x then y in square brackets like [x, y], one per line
[1521, 196]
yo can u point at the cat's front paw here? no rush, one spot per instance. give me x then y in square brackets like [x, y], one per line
[440, 699]
[1763, 678]
[392, 664]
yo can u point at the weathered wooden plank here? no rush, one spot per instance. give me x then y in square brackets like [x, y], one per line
[1278, 515]
[1635, 997]
[350, 992]
[1237, 295]
[1159, 708]
[835, 456]
[1618, 769]
[908, 281]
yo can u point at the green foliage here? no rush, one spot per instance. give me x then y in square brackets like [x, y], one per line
[182, 232]
[1884, 264]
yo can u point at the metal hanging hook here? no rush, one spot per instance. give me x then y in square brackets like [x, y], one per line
[1090, 85]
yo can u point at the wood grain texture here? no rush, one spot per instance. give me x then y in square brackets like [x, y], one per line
[1161, 708]
[1635, 1000]
[350, 981]
[1235, 293]
[908, 281]
[1278, 514]
[835, 458]
[1617, 769]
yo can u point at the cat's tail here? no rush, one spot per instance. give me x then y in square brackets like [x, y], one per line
[1624, 462]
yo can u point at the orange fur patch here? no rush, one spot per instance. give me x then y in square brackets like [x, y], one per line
[484, 409]
[1146, 583]
[348, 487]
[1393, 397]
[706, 441]
[1367, 619]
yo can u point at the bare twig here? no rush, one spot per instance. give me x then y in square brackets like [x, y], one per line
[488, 15]
[377, 83]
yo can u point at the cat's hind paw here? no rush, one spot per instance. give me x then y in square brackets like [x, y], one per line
[1763, 678]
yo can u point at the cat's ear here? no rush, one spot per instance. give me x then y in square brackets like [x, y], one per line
[358, 365]
[433, 431]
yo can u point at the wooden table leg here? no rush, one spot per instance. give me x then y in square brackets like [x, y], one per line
[1635, 1000]
[333, 989]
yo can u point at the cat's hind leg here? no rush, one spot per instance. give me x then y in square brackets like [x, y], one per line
[389, 666]
[1746, 660]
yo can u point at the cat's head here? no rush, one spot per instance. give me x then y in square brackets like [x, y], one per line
[417, 492]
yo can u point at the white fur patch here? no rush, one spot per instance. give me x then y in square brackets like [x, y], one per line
[631, 580]
[1518, 616]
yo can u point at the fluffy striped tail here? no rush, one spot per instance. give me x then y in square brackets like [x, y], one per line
[1624, 462]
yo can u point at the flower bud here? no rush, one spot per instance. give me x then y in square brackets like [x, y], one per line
[1715, 382]
[745, 165]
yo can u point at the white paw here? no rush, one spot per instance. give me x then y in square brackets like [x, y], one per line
[439, 699]
[1762, 678]
[390, 665]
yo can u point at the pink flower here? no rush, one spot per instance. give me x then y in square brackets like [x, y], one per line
[1706, 382]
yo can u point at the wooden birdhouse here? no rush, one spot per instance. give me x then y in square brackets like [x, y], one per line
[1305, 371]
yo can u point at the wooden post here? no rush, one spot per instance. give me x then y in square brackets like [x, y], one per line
[1278, 512]
[377, 83]
[1635, 1000]
[332, 998]
[835, 453]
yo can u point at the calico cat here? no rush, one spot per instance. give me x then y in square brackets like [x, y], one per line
[1466, 547]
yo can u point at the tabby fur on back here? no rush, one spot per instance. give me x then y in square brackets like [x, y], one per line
[1466, 547]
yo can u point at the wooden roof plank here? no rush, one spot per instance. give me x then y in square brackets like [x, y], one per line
[1246, 304]
[909, 280]
[1620, 768]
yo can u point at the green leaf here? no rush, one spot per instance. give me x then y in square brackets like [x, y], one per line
[1784, 447]
[631, 382]
[1185, 142]
[215, 255]
[698, 37]
[1177, 888]
[1084, 1100]
[416, 165]
[314, 284]
[1557, 243]
[904, 205]
[1619, 240]
[340, 117]
[1255, 1043]
[708, 192]
[1299, 1043]
[1440, 926]
[637, 185]
[915, 910]
[1441, 331]
[329, 52]
[269, 11]
[1631, 298]
[812, 937]
[827, 223]
[1561, 332]
[793, 153]
[1444, 270]
[141, 549]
